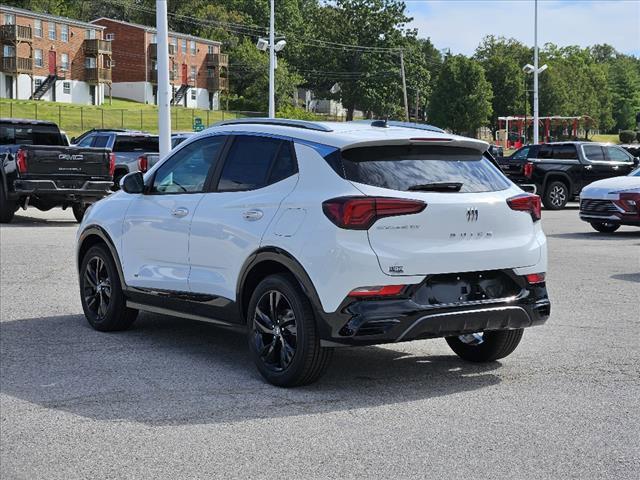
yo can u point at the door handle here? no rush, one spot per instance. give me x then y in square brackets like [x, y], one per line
[616, 167]
[180, 212]
[252, 215]
[588, 167]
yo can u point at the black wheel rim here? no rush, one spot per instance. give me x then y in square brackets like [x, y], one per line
[275, 333]
[97, 287]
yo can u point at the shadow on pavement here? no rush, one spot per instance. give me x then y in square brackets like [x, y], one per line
[629, 277]
[26, 221]
[169, 371]
[624, 235]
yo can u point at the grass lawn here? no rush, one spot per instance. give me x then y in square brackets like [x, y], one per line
[75, 119]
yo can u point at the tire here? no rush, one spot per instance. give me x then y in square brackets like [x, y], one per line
[7, 207]
[605, 227]
[104, 307]
[78, 211]
[494, 345]
[286, 351]
[116, 180]
[556, 196]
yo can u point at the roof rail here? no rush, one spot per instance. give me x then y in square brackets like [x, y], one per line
[281, 122]
[395, 123]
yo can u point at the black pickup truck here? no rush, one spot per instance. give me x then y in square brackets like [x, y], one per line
[38, 168]
[558, 171]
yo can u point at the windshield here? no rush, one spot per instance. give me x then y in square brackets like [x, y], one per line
[421, 167]
[17, 134]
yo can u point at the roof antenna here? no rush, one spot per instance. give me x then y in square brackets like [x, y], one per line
[381, 123]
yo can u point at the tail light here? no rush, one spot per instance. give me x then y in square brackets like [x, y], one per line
[528, 169]
[534, 278]
[527, 202]
[359, 213]
[380, 291]
[143, 163]
[21, 161]
[112, 163]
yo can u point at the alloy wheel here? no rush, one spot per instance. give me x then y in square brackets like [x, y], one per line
[275, 330]
[558, 195]
[472, 339]
[97, 287]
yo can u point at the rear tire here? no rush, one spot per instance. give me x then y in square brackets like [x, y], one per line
[283, 338]
[7, 207]
[79, 211]
[605, 227]
[556, 196]
[101, 293]
[495, 344]
[116, 180]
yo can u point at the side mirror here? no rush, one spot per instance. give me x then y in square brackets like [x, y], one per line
[636, 161]
[132, 183]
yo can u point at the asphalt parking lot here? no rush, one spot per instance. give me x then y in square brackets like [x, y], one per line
[173, 398]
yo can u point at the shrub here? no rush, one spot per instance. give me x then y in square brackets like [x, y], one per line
[627, 136]
[289, 111]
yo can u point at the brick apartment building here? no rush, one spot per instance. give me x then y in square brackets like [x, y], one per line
[45, 57]
[197, 69]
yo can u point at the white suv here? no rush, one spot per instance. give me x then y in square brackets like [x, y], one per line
[314, 235]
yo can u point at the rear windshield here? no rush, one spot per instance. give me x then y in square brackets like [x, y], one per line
[126, 143]
[11, 134]
[408, 167]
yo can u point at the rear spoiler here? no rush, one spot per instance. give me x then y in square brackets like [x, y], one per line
[439, 140]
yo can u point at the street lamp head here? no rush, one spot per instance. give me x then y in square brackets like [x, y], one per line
[263, 44]
[279, 45]
[543, 68]
[528, 68]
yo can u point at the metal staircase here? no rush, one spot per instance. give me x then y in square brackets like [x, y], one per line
[182, 91]
[44, 87]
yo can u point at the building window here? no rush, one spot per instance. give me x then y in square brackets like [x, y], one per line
[64, 33]
[111, 37]
[211, 73]
[64, 61]
[8, 51]
[154, 38]
[36, 83]
[66, 88]
[90, 34]
[193, 47]
[184, 45]
[37, 28]
[52, 31]
[193, 94]
[37, 57]
[90, 62]
[9, 19]
[194, 72]
[210, 49]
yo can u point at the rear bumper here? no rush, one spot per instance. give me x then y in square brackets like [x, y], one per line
[369, 322]
[89, 189]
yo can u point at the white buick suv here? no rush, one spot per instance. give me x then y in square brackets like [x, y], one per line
[314, 235]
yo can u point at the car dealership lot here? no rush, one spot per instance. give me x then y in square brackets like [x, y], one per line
[173, 398]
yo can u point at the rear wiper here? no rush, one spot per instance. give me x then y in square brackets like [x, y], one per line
[436, 187]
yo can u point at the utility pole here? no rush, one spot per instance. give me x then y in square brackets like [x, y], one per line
[417, 103]
[535, 75]
[525, 109]
[272, 63]
[404, 86]
[164, 98]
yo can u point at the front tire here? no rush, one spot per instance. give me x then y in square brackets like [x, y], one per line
[283, 337]
[605, 227]
[556, 196]
[486, 346]
[101, 293]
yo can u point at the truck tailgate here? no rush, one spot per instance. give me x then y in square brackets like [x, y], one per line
[67, 161]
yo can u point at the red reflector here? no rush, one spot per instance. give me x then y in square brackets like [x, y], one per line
[359, 213]
[535, 278]
[112, 163]
[527, 202]
[143, 163]
[386, 291]
[21, 161]
[528, 169]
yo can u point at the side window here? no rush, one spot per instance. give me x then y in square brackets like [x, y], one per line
[101, 141]
[284, 165]
[248, 163]
[565, 152]
[545, 151]
[593, 153]
[86, 141]
[521, 154]
[616, 154]
[187, 170]
[125, 143]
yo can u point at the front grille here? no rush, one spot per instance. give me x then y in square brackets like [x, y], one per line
[598, 207]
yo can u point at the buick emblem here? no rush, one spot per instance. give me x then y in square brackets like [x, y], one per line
[472, 214]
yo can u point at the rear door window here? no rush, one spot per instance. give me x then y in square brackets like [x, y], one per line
[248, 163]
[565, 152]
[126, 143]
[521, 154]
[101, 141]
[593, 153]
[407, 168]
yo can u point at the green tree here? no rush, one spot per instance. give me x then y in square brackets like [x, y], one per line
[461, 100]
[624, 82]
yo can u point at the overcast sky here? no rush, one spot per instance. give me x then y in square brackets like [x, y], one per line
[461, 24]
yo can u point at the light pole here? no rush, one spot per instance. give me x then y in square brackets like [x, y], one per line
[273, 47]
[164, 98]
[528, 68]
